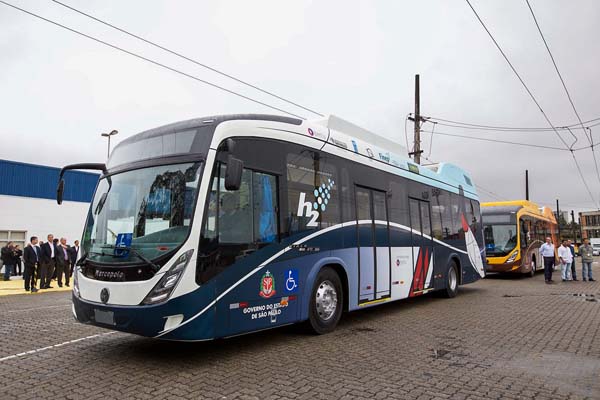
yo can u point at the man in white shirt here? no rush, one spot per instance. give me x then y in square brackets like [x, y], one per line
[547, 253]
[566, 258]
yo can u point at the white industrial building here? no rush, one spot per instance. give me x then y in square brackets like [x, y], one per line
[28, 202]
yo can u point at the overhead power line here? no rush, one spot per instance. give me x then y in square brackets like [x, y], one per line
[517, 74]
[467, 125]
[539, 146]
[490, 193]
[150, 60]
[534, 100]
[555, 66]
[564, 85]
[175, 53]
[507, 130]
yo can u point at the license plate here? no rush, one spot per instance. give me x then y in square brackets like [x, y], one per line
[104, 317]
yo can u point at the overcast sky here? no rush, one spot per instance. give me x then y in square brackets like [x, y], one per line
[354, 59]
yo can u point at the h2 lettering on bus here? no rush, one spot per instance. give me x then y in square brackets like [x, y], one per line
[305, 209]
[311, 209]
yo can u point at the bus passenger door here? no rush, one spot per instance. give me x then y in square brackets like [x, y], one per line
[420, 220]
[373, 244]
[382, 245]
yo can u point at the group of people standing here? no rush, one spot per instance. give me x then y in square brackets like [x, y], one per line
[42, 261]
[566, 258]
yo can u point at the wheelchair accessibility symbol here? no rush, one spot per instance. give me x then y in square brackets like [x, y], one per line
[291, 280]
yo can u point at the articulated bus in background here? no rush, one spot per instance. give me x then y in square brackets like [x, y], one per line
[219, 226]
[514, 232]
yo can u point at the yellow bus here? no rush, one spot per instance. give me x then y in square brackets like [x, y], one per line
[513, 233]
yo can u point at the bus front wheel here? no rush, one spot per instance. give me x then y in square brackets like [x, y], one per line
[451, 280]
[326, 302]
[533, 268]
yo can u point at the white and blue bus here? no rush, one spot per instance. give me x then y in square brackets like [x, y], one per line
[220, 226]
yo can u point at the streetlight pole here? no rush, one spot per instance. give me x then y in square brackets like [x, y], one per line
[108, 135]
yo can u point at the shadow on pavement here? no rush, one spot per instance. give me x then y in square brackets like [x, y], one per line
[146, 350]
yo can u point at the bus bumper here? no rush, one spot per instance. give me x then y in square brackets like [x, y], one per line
[149, 321]
[515, 267]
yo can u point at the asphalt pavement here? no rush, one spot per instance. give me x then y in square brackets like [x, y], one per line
[500, 338]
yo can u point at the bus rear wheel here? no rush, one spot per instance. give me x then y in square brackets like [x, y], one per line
[451, 281]
[326, 302]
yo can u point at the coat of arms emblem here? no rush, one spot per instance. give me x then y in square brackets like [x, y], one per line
[267, 285]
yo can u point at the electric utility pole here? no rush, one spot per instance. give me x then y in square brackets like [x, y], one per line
[573, 225]
[527, 184]
[558, 218]
[417, 120]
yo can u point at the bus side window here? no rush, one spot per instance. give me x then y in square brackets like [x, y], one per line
[329, 203]
[476, 214]
[437, 211]
[457, 230]
[398, 202]
[476, 221]
[301, 181]
[313, 192]
[523, 233]
[238, 222]
[445, 207]
[235, 211]
[346, 196]
[209, 231]
[264, 194]
[469, 212]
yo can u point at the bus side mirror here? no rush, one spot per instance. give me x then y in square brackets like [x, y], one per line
[228, 145]
[233, 173]
[60, 189]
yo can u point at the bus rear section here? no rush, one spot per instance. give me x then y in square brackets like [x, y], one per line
[514, 232]
[252, 222]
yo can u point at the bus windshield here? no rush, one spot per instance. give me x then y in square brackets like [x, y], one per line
[147, 210]
[500, 239]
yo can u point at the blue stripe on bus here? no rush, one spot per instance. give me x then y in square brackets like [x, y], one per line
[210, 311]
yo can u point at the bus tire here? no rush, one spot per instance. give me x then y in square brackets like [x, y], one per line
[326, 302]
[533, 268]
[451, 281]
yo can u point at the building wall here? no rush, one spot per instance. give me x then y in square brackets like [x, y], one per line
[39, 181]
[39, 217]
[28, 202]
[590, 224]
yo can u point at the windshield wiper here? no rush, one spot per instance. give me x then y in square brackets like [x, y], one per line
[136, 253]
[148, 261]
[81, 261]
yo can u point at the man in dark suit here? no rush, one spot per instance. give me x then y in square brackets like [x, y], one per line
[62, 262]
[73, 256]
[18, 255]
[31, 256]
[47, 263]
[56, 244]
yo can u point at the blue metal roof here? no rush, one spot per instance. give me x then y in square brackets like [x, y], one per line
[39, 181]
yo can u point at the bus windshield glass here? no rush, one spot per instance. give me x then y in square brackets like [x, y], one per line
[500, 239]
[147, 210]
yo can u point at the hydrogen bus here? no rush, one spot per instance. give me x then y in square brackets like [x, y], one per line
[220, 226]
[514, 232]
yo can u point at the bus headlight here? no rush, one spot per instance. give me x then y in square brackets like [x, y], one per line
[513, 257]
[168, 282]
[76, 282]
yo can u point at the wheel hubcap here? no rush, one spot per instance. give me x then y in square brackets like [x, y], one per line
[452, 279]
[326, 300]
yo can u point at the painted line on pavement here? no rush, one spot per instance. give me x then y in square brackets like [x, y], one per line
[27, 353]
